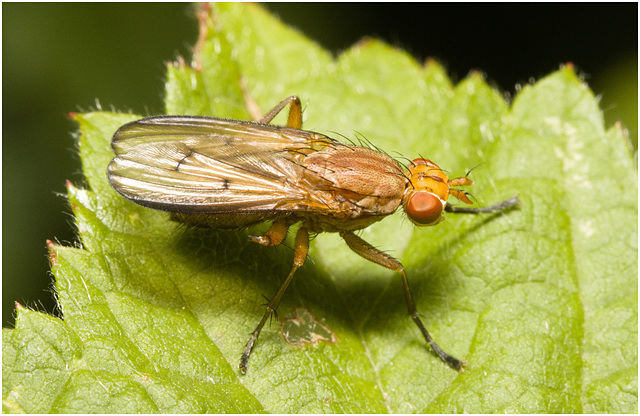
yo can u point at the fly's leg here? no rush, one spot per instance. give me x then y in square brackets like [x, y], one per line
[501, 206]
[369, 252]
[275, 236]
[299, 254]
[295, 112]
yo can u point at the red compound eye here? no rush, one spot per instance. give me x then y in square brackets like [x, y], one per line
[424, 208]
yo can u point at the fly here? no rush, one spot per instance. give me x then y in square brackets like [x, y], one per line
[228, 174]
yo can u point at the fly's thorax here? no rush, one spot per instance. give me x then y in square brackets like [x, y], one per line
[363, 182]
[426, 194]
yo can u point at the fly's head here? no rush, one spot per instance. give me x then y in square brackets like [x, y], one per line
[427, 191]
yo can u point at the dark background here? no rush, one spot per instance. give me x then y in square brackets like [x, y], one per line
[64, 57]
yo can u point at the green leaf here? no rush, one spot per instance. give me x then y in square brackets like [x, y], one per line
[541, 301]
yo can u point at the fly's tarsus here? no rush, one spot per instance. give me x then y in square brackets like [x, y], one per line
[452, 361]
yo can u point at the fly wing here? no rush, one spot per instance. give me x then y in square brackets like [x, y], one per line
[211, 165]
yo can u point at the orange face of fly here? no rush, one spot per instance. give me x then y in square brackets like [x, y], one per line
[429, 188]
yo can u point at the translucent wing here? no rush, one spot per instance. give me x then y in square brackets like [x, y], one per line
[211, 165]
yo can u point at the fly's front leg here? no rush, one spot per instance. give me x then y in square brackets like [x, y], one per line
[501, 206]
[369, 252]
[295, 112]
[300, 251]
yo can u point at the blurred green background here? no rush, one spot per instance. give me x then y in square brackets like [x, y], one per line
[67, 57]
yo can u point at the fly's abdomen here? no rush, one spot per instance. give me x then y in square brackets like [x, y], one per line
[219, 221]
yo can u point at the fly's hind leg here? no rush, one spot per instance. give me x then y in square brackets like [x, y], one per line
[299, 254]
[369, 252]
[295, 112]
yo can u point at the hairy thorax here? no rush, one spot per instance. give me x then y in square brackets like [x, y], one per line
[361, 185]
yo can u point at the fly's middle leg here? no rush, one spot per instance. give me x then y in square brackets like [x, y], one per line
[300, 251]
[369, 252]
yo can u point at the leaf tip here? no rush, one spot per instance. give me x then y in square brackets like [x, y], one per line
[53, 255]
[364, 42]
[624, 132]
[476, 75]
[71, 188]
[204, 17]
[430, 61]
[570, 69]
